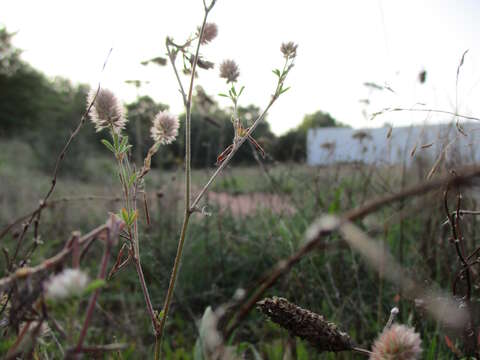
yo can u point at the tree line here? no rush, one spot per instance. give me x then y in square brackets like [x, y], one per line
[43, 111]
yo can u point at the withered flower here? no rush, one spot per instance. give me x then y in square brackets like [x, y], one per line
[289, 50]
[323, 335]
[229, 71]
[210, 32]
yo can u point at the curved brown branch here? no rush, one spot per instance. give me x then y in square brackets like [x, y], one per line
[316, 233]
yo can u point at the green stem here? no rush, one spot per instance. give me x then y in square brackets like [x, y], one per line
[171, 285]
[178, 257]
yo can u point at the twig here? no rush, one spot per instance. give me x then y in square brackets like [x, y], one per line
[426, 110]
[50, 262]
[51, 204]
[114, 226]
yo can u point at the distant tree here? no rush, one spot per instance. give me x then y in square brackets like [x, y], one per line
[9, 55]
[319, 119]
[292, 146]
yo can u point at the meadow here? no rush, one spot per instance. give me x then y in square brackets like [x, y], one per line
[228, 252]
[130, 232]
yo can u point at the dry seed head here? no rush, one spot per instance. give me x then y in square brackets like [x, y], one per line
[399, 342]
[165, 128]
[107, 111]
[68, 283]
[210, 32]
[289, 50]
[229, 70]
[323, 335]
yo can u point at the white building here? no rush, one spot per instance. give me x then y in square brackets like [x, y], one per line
[393, 145]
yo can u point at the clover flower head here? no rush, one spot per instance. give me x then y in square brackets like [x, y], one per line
[399, 342]
[107, 111]
[229, 71]
[165, 128]
[210, 32]
[68, 283]
[289, 49]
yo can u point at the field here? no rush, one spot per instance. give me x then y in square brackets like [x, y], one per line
[258, 216]
[138, 230]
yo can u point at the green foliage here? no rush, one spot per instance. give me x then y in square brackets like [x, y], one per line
[318, 119]
[292, 146]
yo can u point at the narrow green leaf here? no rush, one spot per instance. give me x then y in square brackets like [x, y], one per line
[115, 141]
[284, 90]
[240, 92]
[94, 285]
[223, 95]
[124, 141]
[125, 216]
[133, 216]
[133, 177]
[108, 145]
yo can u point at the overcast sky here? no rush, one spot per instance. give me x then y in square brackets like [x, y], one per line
[342, 45]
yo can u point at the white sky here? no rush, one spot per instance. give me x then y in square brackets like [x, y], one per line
[342, 44]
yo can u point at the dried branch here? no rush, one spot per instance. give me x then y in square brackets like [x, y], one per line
[47, 264]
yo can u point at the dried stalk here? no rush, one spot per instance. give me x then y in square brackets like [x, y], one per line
[323, 335]
[47, 264]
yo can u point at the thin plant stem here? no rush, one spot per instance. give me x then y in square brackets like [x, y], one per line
[168, 298]
[229, 157]
[188, 212]
[455, 114]
[362, 351]
[93, 299]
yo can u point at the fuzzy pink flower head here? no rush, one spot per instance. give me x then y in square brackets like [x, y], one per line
[289, 49]
[399, 342]
[210, 32]
[107, 111]
[165, 128]
[229, 71]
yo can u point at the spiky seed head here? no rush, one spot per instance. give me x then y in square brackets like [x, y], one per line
[107, 111]
[165, 128]
[322, 334]
[399, 342]
[229, 71]
[289, 50]
[68, 283]
[210, 32]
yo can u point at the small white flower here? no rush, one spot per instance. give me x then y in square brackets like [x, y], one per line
[165, 128]
[107, 111]
[229, 71]
[398, 342]
[68, 283]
